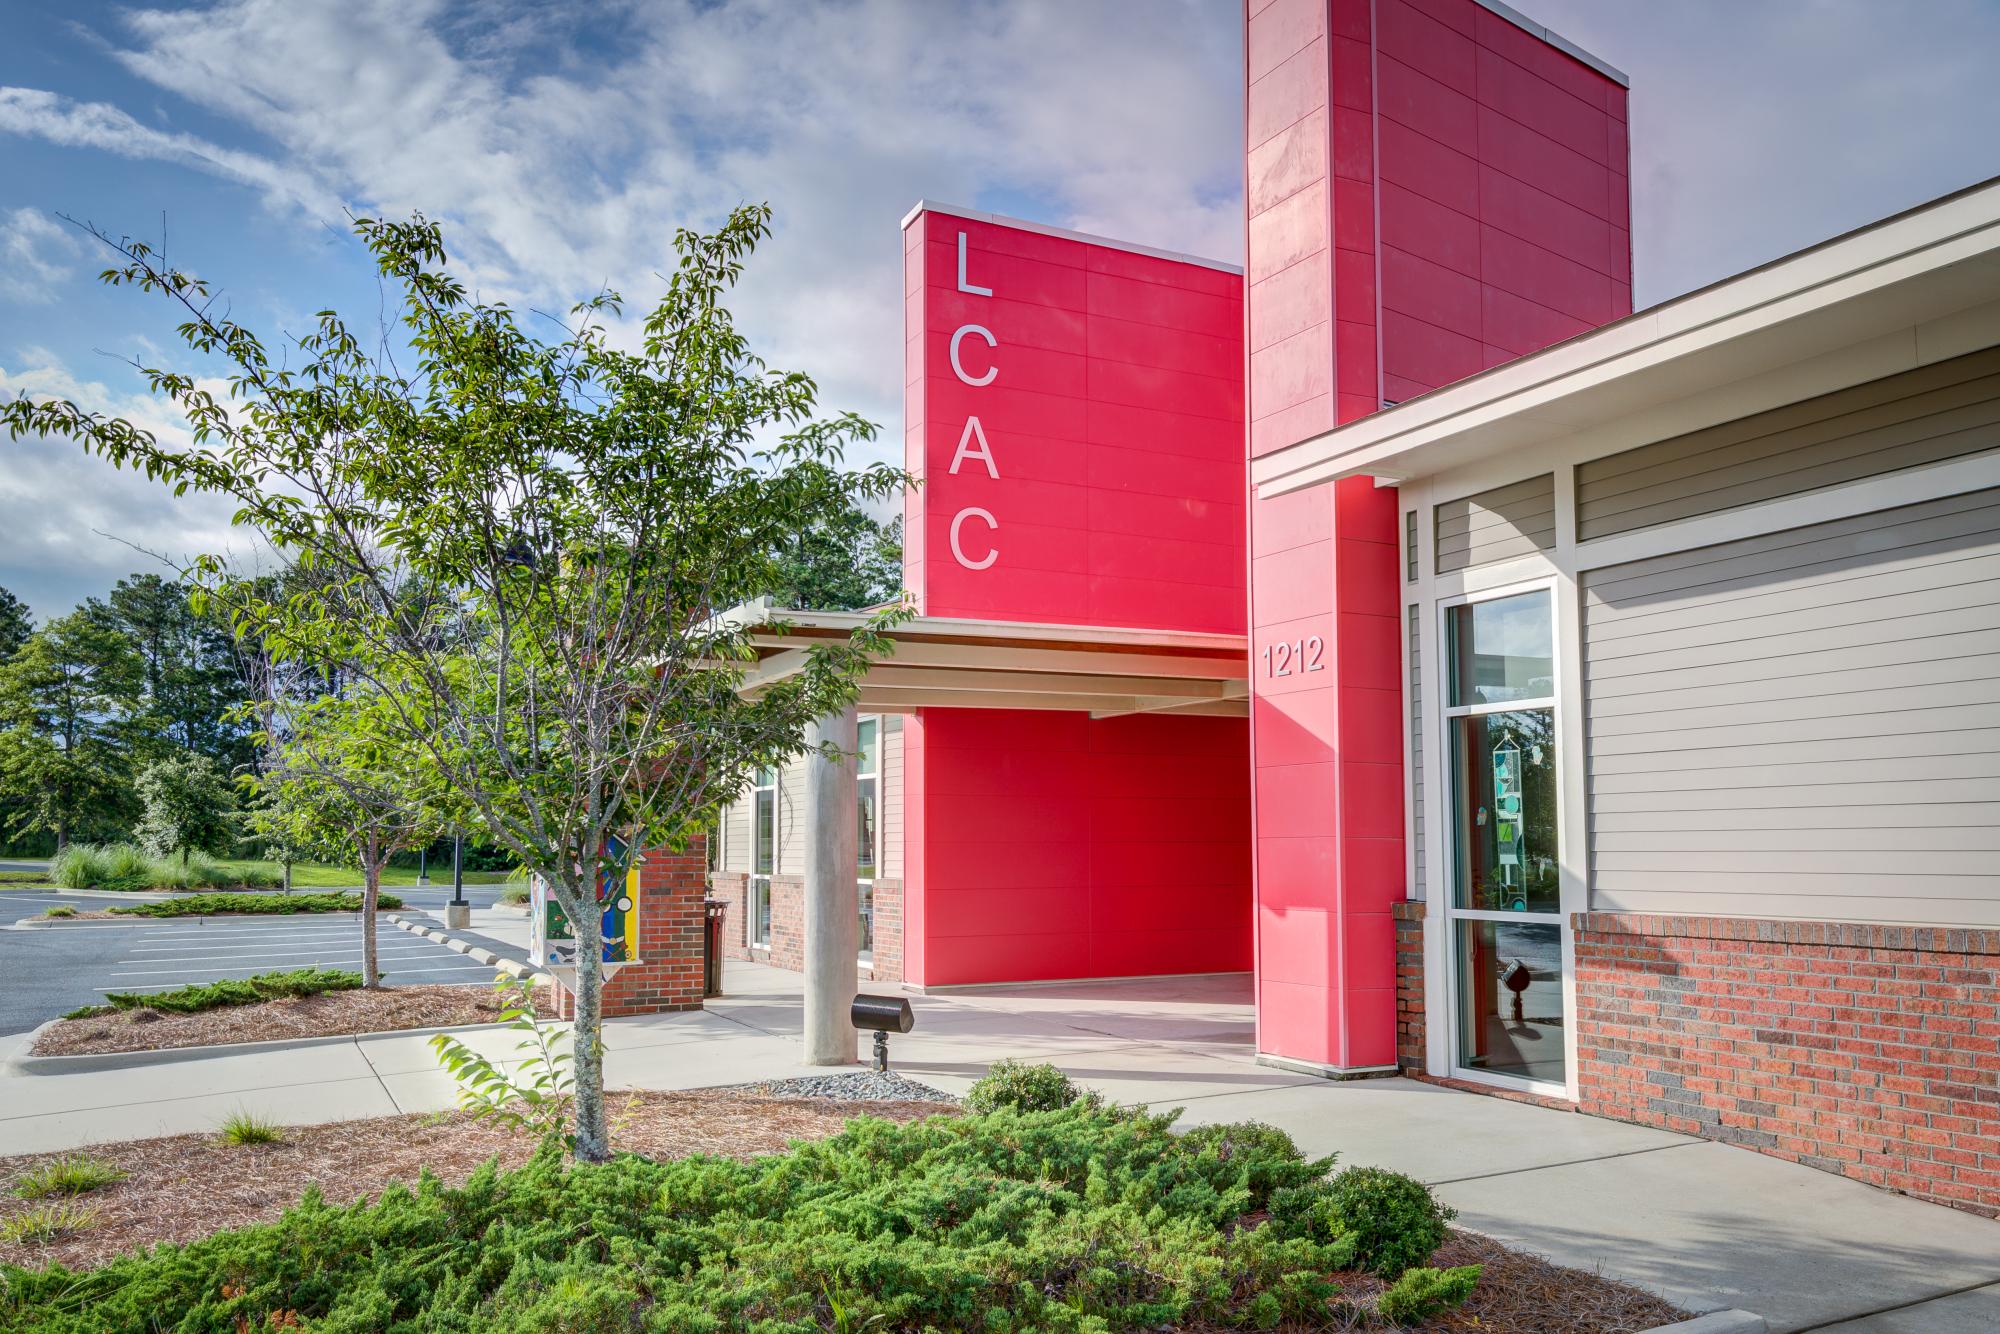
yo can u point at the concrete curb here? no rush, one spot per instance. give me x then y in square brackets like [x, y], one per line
[476, 952]
[20, 1063]
[1731, 1321]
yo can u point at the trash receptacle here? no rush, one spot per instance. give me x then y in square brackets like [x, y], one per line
[711, 952]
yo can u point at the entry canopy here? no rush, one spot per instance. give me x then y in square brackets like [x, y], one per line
[940, 662]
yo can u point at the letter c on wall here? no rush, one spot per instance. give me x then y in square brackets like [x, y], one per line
[959, 370]
[958, 552]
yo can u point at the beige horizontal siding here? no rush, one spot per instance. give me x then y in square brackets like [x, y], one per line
[1507, 522]
[1922, 416]
[892, 797]
[1802, 724]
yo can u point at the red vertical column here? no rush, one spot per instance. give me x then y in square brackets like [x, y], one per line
[1327, 769]
[1430, 189]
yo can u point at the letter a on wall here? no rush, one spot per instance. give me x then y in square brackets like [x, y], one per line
[984, 453]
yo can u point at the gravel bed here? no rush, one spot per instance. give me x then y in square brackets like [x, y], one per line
[854, 1086]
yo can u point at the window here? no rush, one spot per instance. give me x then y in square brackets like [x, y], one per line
[1504, 908]
[868, 826]
[764, 854]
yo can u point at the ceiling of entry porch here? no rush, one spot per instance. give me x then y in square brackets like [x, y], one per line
[950, 663]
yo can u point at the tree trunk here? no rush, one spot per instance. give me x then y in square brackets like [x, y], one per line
[371, 875]
[593, 1137]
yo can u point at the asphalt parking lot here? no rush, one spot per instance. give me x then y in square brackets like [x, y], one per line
[46, 971]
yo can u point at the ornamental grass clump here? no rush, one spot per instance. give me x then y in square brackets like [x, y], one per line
[71, 1174]
[1082, 1218]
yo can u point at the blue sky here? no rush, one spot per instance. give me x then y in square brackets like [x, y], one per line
[563, 151]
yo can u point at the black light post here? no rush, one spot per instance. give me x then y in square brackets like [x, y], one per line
[423, 865]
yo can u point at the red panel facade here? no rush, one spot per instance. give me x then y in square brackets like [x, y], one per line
[1430, 190]
[1082, 463]
[1086, 448]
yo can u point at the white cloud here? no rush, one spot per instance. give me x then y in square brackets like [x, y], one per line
[37, 113]
[34, 255]
[71, 524]
[558, 175]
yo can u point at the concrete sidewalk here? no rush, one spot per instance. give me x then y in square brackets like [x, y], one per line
[1707, 1225]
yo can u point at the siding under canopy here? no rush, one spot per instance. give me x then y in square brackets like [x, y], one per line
[1518, 519]
[1922, 416]
[1802, 724]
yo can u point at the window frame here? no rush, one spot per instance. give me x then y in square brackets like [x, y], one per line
[757, 924]
[1441, 718]
[865, 885]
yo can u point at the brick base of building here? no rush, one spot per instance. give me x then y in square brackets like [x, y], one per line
[786, 948]
[1410, 1039]
[1870, 1051]
[668, 975]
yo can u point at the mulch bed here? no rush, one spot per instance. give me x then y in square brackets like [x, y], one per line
[329, 1014]
[187, 1186]
[184, 1187]
[1520, 1293]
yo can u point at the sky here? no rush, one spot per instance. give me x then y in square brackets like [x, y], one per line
[562, 145]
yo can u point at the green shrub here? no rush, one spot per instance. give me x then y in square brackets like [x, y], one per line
[1395, 1221]
[210, 905]
[1422, 1293]
[60, 910]
[515, 894]
[50, 1222]
[246, 1128]
[90, 1011]
[1023, 1087]
[129, 868]
[1088, 1218]
[199, 996]
[71, 1174]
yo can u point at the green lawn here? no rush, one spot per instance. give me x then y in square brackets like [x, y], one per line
[314, 875]
[305, 875]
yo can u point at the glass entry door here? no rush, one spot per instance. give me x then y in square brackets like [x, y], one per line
[1504, 914]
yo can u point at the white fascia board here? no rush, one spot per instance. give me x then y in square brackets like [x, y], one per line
[924, 206]
[1923, 265]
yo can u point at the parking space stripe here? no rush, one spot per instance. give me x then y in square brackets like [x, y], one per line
[196, 961]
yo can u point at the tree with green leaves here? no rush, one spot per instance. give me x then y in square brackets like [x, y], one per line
[339, 783]
[16, 624]
[190, 677]
[63, 700]
[524, 542]
[186, 805]
[843, 563]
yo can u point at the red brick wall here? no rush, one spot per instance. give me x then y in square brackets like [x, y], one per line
[788, 925]
[1870, 1051]
[733, 888]
[1409, 917]
[888, 952]
[672, 886]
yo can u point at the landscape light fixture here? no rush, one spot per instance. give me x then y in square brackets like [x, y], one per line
[881, 1015]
